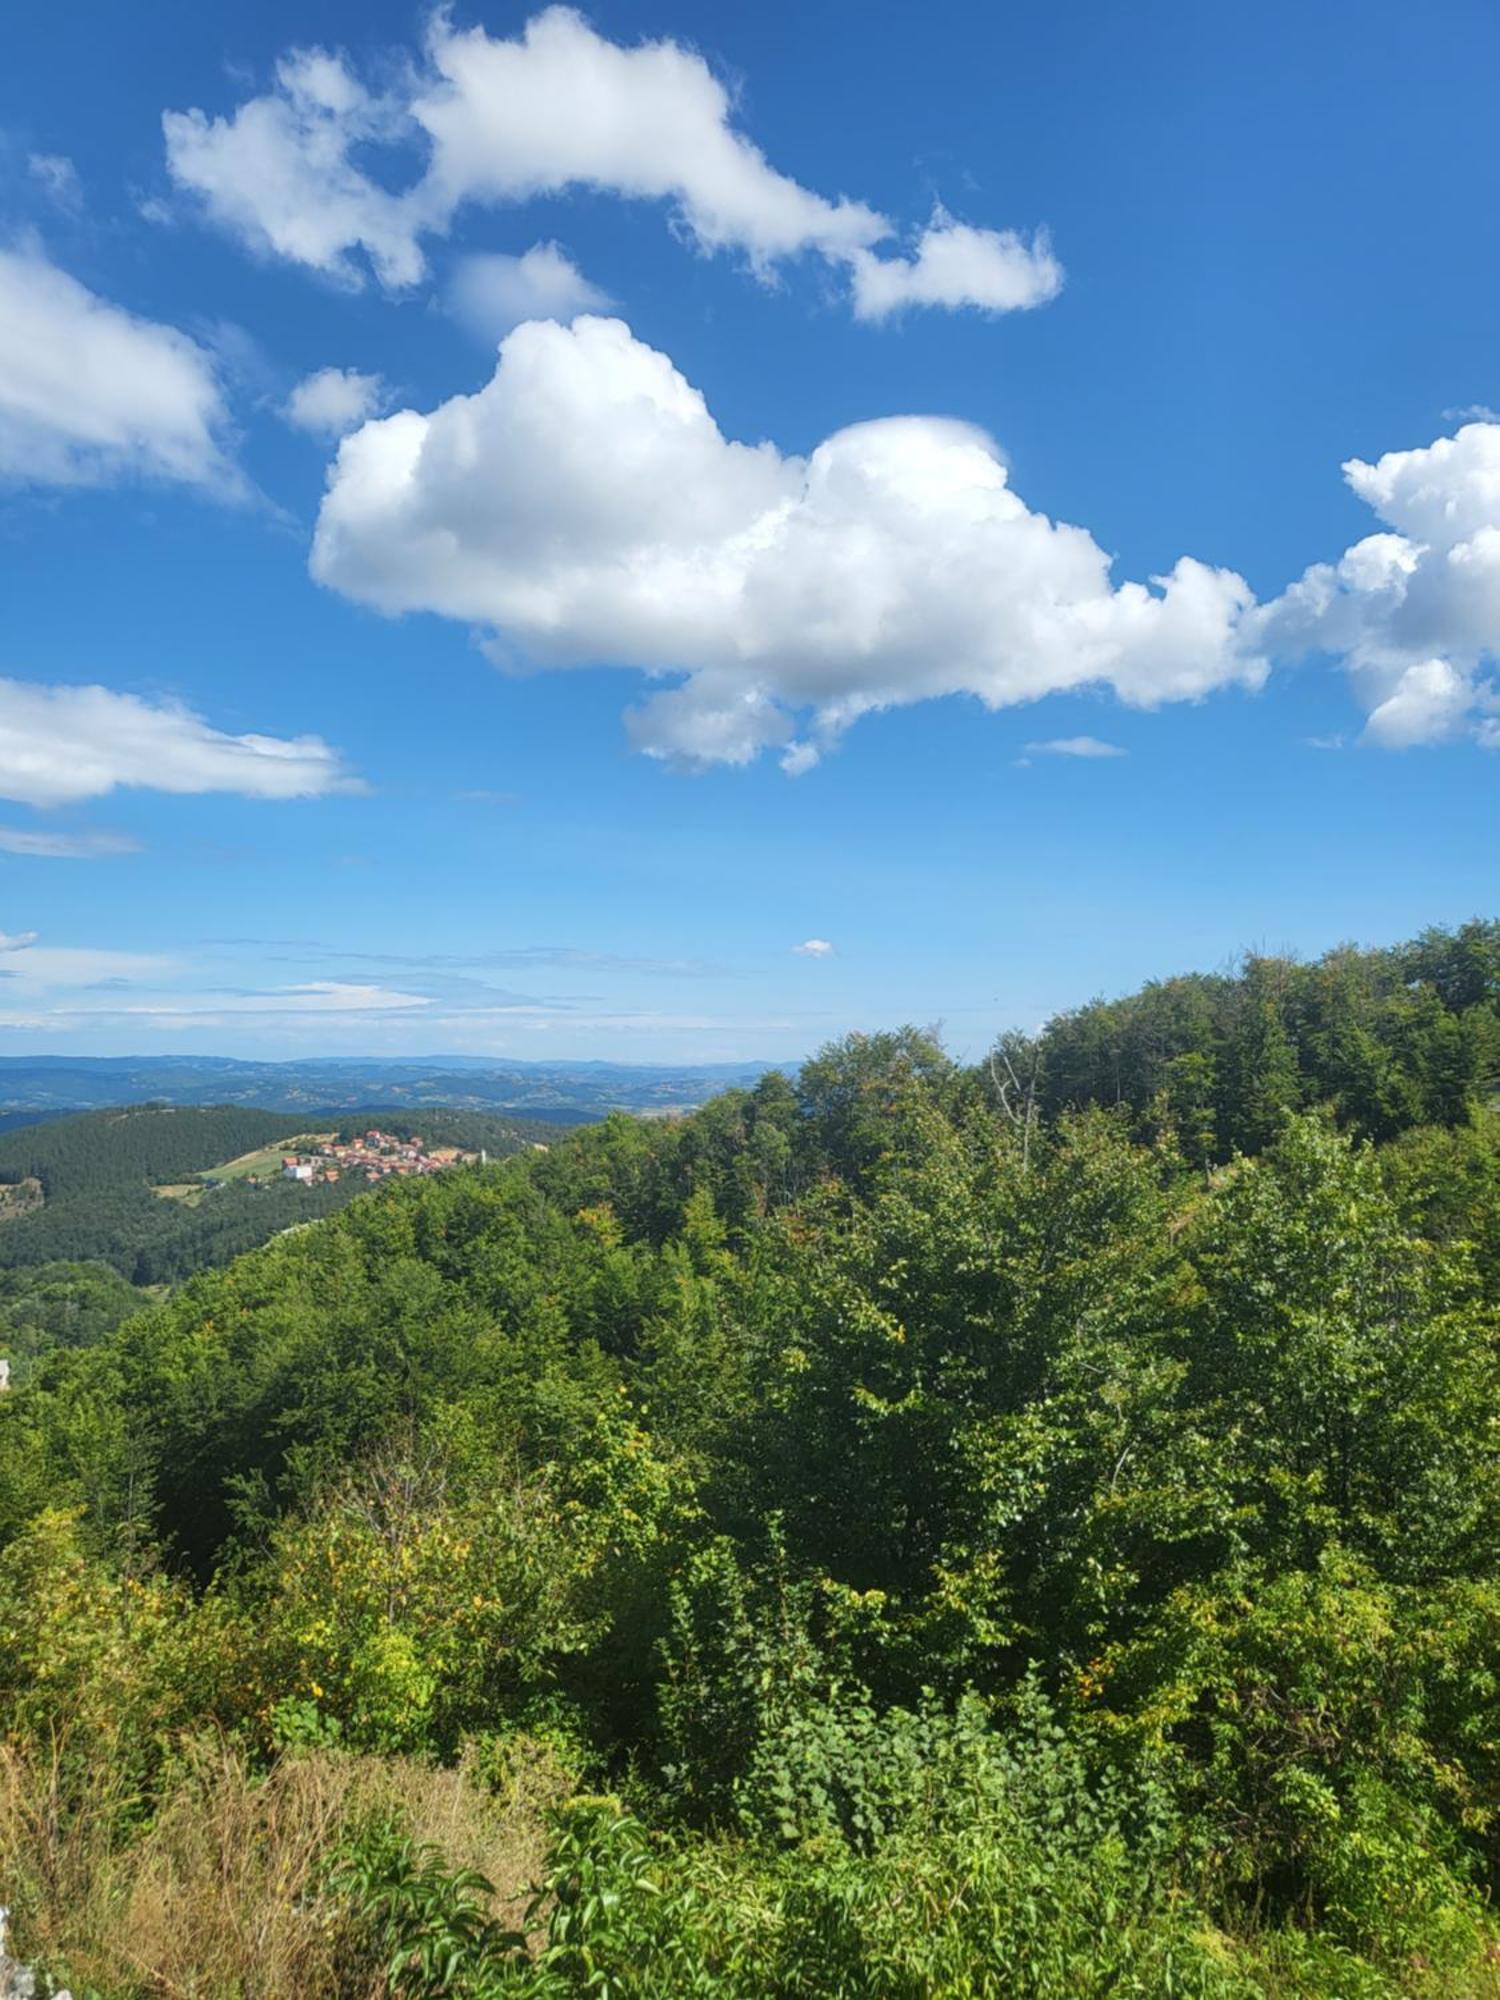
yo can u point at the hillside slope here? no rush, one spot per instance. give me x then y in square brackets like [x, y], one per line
[987, 1553]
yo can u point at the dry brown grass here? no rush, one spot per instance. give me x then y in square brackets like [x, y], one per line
[210, 1901]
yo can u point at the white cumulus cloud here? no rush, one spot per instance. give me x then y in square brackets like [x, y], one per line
[556, 108]
[814, 948]
[491, 292]
[89, 393]
[61, 744]
[560, 106]
[1430, 702]
[584, 507]
[1414, 609]
[334, 401]
[281, 174]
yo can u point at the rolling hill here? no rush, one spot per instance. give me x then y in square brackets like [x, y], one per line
[98, 1178]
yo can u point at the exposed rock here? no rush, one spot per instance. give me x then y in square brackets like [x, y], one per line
[19, 1982]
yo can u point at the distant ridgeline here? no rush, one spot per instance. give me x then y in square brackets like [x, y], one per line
[558, 1092]
[88, 1187]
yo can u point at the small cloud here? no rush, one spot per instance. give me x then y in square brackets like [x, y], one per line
[1335, 742]
[490, 293]
[57, 176]
[65, 846]
[1074, 746]
[814, 948]
[1472, 413]
[333, 401]
[955, 265]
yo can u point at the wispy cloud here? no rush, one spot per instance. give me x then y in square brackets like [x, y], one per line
[1074, 746]
[316, 996]
[65, 846]
[58, 179]
[523, 958]
[25, 960]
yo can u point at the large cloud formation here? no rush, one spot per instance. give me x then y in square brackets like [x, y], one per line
[556, 108]
[584, 507]
[90, 393]
[1414, 611]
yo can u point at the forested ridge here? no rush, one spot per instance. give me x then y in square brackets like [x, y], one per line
[144, 1142]
[1029, 1528]
[1387, 1039]
[97, 1172]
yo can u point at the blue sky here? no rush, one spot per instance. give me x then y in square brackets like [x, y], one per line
[551, 711]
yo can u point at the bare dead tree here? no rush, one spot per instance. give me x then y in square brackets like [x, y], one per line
[1017, 1099]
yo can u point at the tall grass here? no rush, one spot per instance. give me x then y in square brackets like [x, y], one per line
[215, 1897]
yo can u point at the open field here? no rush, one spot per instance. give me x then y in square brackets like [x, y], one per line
[21, 1197]
[265, 1161]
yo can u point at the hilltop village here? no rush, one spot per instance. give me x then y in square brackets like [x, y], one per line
[377, 1156]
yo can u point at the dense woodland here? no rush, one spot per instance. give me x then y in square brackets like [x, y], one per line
[145, 1143]
[1030, 1529]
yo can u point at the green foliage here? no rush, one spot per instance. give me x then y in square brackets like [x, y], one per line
[60, 1305]
[434, 1588]
[1391, 1039]
[105, 1662]
[1023, 1531]
[423, 1924]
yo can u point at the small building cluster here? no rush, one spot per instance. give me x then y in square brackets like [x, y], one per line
[377, 1156]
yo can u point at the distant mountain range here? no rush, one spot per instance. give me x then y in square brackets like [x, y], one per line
[563, 1092]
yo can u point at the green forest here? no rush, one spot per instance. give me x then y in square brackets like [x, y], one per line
[1022, 1528]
